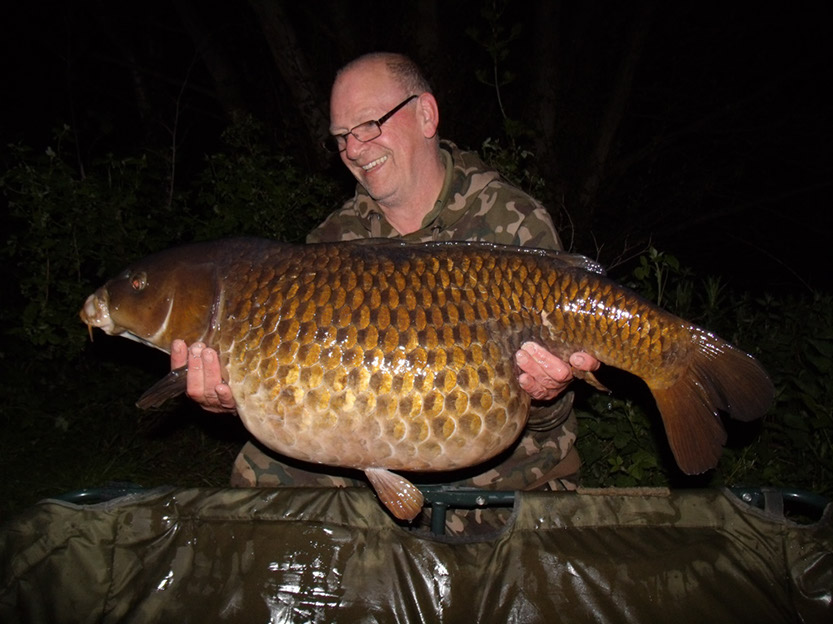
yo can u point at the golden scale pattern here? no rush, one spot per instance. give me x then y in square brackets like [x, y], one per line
[353, 359]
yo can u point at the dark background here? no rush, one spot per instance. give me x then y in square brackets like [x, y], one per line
[701, 128]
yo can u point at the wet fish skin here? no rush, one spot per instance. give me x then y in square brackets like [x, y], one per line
[394, 356]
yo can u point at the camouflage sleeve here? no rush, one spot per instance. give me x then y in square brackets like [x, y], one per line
[515, 218]
[537, 230]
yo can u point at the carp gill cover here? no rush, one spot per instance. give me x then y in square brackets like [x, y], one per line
[391, 356]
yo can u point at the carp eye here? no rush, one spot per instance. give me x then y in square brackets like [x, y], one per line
[139, 280]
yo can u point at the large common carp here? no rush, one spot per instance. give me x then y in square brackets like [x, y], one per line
[393, 356]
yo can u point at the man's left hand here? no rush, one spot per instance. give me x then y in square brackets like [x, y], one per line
[543, 375]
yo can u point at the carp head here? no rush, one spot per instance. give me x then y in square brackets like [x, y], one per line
[170, 294]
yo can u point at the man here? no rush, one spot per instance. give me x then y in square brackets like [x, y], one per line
[384, 121]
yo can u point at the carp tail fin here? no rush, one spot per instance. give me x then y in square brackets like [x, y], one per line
[401, 497]
[719, 378]
[170, 386]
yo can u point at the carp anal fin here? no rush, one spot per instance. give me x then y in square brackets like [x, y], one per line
[402, 498]
[170, 386]
[590, 379]
[719, 378]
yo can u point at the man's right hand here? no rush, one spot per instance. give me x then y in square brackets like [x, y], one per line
[204, 380]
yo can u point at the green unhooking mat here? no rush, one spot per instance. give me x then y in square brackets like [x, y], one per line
[334, 555]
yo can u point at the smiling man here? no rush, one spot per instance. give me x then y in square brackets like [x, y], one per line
[384, 124]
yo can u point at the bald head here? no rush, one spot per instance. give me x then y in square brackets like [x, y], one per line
[400, 68]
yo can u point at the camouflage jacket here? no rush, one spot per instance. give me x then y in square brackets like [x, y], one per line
[475, 204]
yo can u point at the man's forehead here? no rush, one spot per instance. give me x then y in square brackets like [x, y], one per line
[363, 93]
[369, 77]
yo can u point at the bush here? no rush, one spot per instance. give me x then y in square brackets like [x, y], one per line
[69, 231]
[250, 190]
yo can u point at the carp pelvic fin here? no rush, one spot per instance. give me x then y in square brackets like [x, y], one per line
[402, 498]
[719, 378]
[170, 386]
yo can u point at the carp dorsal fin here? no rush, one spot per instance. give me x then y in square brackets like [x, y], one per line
[170, 386]
[564, 258]
[402, 498]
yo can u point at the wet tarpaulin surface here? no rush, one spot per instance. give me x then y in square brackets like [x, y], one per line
[334, 555]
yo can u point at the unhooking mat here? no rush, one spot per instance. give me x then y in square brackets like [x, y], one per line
[334, 555]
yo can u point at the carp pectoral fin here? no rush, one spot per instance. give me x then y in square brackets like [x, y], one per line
[402, 498]
[719, 378]
[170, 386]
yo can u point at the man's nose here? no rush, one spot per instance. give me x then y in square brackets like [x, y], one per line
[353, 147]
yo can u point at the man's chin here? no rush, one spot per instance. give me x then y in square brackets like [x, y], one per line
[377, 192]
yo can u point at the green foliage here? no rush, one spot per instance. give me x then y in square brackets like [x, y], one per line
[794, 337]
[69, 231]
[66, 229]
[514, 163]
[249, 189]
[509, 156]
[652, 277]
[618, 444]
[497, 42]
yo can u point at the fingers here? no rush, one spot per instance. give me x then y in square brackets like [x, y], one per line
[584, 361]
[224, 398]
[212, 375]
[179, 354]
[543, 375]
[204, 381]
[195, 379]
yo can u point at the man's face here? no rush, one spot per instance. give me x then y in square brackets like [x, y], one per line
[385, 166]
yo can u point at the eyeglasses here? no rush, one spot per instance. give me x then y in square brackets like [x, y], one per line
[364, 132]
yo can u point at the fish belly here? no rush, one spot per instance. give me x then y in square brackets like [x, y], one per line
[389, 402]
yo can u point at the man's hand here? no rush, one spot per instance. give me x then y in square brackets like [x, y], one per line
[204, 381]
[545, 376]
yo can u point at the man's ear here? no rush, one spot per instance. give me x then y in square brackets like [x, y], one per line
[428, 114]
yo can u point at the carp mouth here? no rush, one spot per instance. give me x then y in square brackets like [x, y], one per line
[96, 313]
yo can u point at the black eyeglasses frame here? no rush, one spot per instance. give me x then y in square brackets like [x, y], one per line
[337, 143]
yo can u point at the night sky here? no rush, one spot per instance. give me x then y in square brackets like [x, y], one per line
[722, 155]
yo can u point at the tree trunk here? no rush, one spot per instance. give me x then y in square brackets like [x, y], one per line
[428, 40]
[543, 109]
[219, 66]
[294, 69]
[615, 110]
